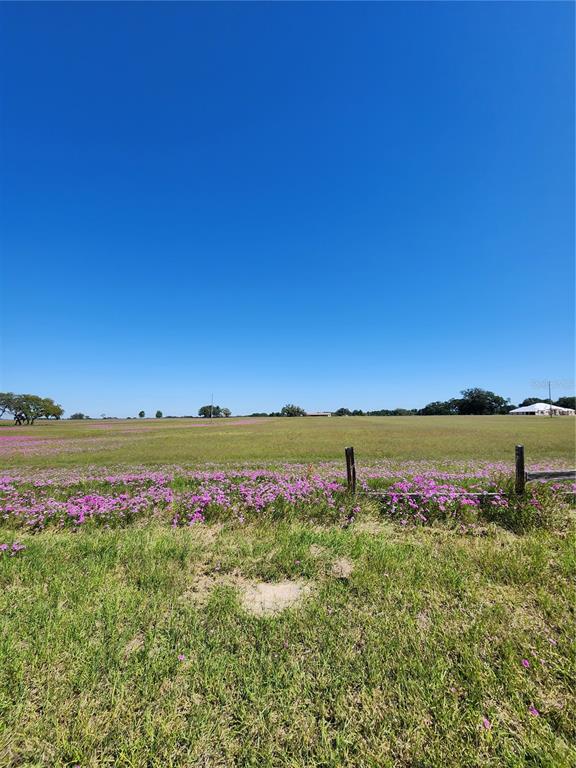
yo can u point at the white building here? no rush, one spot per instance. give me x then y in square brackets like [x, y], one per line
[542, 409]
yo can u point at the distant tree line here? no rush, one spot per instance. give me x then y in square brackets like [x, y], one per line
[381, 412]
[25, 409]
[472, 402]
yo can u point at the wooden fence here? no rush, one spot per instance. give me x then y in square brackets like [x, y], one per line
[522, 477]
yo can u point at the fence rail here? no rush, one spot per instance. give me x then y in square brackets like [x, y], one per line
[522, 477]
[464, 494]
[568, 474]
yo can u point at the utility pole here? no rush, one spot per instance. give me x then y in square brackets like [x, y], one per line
[211, 404]
[550, 396]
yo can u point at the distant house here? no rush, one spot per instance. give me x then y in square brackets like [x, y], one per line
[319, 413]
[542, 409]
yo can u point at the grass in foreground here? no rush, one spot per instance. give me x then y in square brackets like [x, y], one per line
[416, 659]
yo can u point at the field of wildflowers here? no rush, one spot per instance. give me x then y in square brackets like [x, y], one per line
[413, 493]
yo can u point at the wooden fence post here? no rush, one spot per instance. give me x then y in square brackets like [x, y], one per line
[520, 470]
[350, 469]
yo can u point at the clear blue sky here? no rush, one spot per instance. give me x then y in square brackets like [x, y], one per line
[361, 205]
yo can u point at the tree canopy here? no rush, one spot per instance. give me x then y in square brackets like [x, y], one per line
[292, 410]
[481, 402]
[440, 408]
[28, 408]
[474, 402]
[213, 412]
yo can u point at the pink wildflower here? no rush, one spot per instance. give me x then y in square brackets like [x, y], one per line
[181, 657]
[533, 711]
[525, 663]
[486, 724]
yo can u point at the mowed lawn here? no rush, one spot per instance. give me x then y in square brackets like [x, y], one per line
[193, 441]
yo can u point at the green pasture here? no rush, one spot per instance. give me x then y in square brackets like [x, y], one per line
[188, 441]
[413, 659]
[132, 648]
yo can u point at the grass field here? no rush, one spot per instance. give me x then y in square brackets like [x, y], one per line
[195, 441]
[134, 630]
[131, 648]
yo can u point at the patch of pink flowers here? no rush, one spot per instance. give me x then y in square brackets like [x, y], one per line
[183, 497]
[11, 549]
[415, 493]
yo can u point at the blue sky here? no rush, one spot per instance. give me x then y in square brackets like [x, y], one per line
[361, 205]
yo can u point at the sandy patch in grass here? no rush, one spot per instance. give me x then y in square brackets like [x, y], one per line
[342, 568]
[203, 584]
[259, 598]
[265, 598]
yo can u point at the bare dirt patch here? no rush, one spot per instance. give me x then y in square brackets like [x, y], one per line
[204, 583]
[265, 598]
[259, 598]
[342, 568]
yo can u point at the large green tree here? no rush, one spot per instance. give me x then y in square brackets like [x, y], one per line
[211, 411]
[292, 410]
[7, 402]
[28, 408]
[481, 402]
[343, 412]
